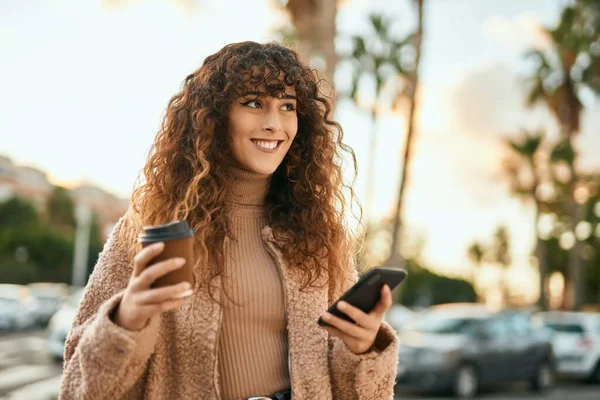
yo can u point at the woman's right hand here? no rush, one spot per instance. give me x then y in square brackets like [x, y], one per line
[140, 302]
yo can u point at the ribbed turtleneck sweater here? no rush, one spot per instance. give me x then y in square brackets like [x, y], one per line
[253, 358]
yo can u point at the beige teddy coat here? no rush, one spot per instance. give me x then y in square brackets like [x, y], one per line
[175, 355]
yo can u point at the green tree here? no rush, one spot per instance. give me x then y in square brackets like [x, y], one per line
[589, 231]
[496, 252]
[60, 209]
[315, 29]
[525, 174]
[499, 254]
[569, 65]
[32, 248]
[17, 212]
[425, 288]
[475, 252]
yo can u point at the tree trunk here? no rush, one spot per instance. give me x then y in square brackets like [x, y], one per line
[395, 255]
[314, 21]
[541, 253]
[575, 260]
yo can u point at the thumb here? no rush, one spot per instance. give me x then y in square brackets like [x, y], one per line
[385, 301]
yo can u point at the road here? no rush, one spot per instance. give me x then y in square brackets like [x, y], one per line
[27, 372]
[563, 391]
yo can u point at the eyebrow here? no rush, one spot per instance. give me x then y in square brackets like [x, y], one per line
[259, 94]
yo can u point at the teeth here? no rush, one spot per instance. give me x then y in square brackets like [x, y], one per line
[266, 145]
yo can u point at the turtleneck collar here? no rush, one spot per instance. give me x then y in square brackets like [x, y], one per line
[249, 188]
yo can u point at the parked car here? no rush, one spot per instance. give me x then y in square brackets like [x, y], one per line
[461, 348]
[61, 322]
[8, 314]
[50, 296]
[576, 343]
[399, 316]
[18, 309]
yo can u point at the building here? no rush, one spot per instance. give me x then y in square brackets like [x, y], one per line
[31, 183]
[26, 182]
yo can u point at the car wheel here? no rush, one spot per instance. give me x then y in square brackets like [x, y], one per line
[595, 376]
[466, 382]
[543, 378]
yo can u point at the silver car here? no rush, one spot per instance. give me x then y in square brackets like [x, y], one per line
[18, 309]
[50, 296]
[61, 322]
[460, 349]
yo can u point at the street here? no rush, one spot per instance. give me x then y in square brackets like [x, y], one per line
[27, 372]
[563, 391]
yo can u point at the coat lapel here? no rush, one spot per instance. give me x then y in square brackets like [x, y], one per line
[307, 342]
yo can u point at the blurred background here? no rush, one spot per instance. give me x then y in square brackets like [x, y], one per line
[474, 122]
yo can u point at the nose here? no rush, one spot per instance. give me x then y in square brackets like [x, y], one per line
[271, 121]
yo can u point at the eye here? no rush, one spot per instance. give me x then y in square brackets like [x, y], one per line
[289, 107]
[252, 103]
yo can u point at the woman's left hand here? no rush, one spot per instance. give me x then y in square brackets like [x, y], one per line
[359, 337]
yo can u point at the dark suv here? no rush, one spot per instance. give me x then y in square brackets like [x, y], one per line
[461, 348]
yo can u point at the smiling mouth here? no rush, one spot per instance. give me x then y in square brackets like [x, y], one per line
[267, 145]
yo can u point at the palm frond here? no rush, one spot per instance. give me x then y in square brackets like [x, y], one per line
[563, 151]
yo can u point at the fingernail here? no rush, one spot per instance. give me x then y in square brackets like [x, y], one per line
[179, 261]
[184, 294]
[341, 304]
[158, 245]
[186, 285]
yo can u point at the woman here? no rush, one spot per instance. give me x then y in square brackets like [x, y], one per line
[248, 155]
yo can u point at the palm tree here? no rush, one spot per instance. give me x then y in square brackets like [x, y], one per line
[395, 256]
[569, 65]
[314, 22]
[376, 56]
[499, 253]
[475, 252]
[524, 152]
[496, 252]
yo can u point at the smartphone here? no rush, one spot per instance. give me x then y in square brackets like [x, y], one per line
[366, 292]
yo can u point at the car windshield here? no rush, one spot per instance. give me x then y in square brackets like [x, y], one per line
[443, 324]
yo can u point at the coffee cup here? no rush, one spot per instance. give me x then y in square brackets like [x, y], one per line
[179, 242]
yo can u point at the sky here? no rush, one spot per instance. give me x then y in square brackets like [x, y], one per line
[83, 88]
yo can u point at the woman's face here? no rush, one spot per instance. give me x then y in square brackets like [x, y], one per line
[262, 129]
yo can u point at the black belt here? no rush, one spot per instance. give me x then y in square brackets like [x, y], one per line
[285, 395]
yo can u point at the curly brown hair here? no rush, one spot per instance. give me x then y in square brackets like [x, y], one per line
[187, 174]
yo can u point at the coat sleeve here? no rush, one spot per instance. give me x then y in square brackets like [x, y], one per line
[103, 360]
[368, 376]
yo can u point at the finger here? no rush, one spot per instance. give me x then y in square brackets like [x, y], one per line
[359, 316]
[141, 259]
[345, 338]
[384, 303]
[155, 271]
[160, 295]
[346, 327]
[164, 307]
